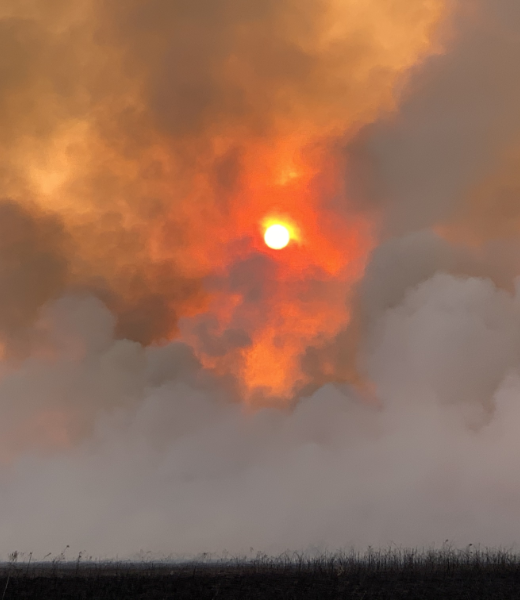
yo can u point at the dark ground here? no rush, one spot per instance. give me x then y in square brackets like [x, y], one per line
[446, 575]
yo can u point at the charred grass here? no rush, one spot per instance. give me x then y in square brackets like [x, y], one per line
[469, 574]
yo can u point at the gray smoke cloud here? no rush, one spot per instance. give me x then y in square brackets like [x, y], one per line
[173, 467]
[112, 444]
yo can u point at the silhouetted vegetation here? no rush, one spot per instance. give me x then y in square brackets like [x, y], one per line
[470, 574]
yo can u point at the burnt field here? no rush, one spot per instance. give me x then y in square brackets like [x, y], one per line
[470, 574]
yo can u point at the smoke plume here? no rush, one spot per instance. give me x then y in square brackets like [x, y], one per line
[167, 382]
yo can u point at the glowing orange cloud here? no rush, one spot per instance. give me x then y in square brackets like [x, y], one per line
[167, 137]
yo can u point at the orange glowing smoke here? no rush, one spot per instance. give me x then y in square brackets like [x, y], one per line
[166, 135]
[302, 288]
[304, 291]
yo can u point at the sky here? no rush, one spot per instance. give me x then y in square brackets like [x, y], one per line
[171, 385]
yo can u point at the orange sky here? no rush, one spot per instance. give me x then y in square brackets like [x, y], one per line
[165, 134]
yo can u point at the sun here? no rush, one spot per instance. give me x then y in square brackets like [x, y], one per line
[277, 236]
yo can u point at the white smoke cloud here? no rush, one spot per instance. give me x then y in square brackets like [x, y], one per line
[172, 466]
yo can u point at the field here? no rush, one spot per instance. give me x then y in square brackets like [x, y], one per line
[470, 574]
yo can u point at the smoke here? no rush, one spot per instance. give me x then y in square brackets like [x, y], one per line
[170, 384]
[174, 467]
[162, 135]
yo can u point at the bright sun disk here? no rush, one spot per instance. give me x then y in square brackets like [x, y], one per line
[277, 236]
